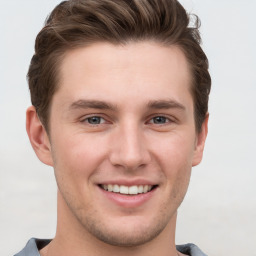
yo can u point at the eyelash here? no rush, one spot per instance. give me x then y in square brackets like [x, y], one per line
[86, 120]
[151, 120]
[166, 119]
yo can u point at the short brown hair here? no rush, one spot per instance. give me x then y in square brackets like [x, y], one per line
[77, 23]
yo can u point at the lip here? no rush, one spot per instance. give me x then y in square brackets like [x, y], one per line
[128, 201]
[128, 183]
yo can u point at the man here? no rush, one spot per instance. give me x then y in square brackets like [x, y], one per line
[120, 109]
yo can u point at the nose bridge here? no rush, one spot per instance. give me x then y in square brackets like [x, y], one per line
[129, 149]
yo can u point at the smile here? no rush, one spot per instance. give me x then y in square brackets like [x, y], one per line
[127, 190]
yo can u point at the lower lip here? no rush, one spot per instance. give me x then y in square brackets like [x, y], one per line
[128, 201]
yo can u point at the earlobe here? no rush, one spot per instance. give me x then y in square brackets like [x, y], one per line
[200, 142]
[38, 137]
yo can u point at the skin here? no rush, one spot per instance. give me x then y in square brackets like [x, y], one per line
[143, 130]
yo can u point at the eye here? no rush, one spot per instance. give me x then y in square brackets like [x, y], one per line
[159, 120]
[94, 120]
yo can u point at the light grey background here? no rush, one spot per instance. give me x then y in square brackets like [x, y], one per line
[219, 212]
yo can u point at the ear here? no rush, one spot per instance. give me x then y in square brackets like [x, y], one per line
[200, 142]
[38, 137]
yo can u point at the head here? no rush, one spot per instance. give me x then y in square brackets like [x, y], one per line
[75, 23]
[120, 92]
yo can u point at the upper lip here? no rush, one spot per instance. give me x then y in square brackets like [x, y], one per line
[126, 182]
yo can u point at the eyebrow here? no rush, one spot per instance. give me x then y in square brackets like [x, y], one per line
[97, 104]
[165, 104]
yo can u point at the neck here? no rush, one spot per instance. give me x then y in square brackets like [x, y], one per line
[72, 239]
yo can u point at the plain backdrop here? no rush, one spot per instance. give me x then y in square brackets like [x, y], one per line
[219, 211]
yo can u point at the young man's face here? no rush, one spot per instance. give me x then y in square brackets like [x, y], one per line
[123, 117]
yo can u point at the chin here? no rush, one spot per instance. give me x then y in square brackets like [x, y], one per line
[126, 238]
[127, 231]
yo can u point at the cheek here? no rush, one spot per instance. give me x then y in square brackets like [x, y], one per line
[76, 158]
[175, 151]
[175, 156]
[176, 166]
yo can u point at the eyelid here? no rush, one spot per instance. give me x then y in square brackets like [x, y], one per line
[169, 119]
[86, 117]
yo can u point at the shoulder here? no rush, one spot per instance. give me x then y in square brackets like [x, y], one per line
[33, 246]
[190, 249]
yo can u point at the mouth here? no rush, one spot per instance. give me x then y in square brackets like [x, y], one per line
[128, 190]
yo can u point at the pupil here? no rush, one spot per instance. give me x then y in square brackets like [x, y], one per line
[160, 119]
[94, 120]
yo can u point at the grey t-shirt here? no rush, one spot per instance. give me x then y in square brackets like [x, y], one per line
[34, 245]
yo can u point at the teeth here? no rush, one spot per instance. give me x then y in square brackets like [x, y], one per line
[132, 190]
[140, 190]
[110, 188]
[116, 189]
[124, 190]
[145, 189]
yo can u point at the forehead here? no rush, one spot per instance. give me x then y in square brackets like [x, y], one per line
[106, 72]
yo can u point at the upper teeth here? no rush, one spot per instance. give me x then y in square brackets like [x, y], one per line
[131, 190]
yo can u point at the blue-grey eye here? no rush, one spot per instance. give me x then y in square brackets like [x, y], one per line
[159, 120]
[94, 120]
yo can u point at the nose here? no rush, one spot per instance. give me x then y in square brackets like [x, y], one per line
[129, 148]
